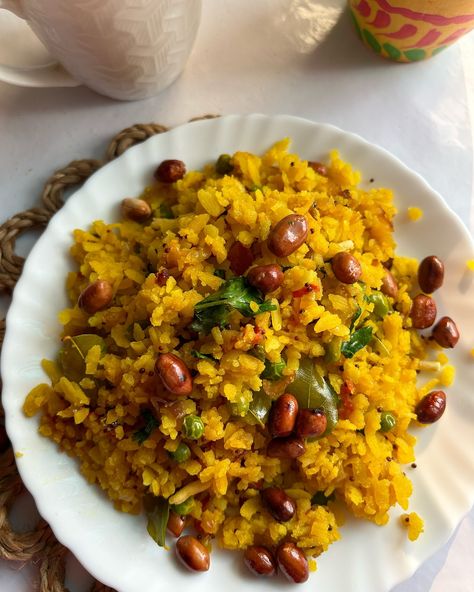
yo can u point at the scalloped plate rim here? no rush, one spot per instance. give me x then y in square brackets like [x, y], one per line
[130, 155]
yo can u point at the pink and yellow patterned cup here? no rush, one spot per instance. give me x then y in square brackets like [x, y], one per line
[411, 30]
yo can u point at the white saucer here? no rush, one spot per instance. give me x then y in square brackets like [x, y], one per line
[24, 61]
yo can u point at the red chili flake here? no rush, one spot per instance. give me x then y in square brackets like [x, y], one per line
[347, 406]
[161, 276]
[240, 258]
[306, 289]
[259, 333]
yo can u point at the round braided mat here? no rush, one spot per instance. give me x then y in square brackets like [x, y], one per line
[40, 544]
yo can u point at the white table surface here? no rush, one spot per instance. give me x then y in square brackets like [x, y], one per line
[299, 57]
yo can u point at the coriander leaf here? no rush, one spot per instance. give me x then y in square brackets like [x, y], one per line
[273, 370]
[356, 341]
[204, 321]
[236, 293]
[355, 317]
[158, 511]
[151, 423]
[200, 356]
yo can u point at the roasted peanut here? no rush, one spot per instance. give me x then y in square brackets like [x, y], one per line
[282, 418]
[176, 524]
[291, 447]
[240, 258]
[445, 332]
[389, 285]
[423, 311]
[311, 423]
[266, 278]
[260, 561]
[346, 268]
[431, 407]
[135, 209]
[280, 505]
[288, 235]
[192, 553]
[292, 562]
[174, 374]
[431, 274]
[96, 296]
[319, 167]
[170, 171]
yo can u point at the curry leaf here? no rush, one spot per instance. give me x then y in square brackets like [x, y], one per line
[158, 511]
[356, 341]
[72, 355]
[259, 408]
[313, 391]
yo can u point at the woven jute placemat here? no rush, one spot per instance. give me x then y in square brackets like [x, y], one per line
[40, 545]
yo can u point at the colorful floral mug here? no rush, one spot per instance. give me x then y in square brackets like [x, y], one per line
[411, 30]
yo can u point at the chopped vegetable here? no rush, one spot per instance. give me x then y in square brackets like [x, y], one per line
[319, 499]
[181, 454]
[333, 350]
[157, 510]
[306, 289]
[151, 423]
[273, 370]
[166, 212]
[193, 427]
[236, 294]
[224, 164]
[313, 392]
[387, 421]
[380, 302]
[72, 355]
[359, 339]
[184, 508]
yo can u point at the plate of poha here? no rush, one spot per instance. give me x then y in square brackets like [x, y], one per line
[246, 338]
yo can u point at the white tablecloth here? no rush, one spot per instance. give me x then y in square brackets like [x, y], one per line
[299, 57]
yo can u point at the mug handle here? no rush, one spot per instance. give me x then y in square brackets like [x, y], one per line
[46, 75]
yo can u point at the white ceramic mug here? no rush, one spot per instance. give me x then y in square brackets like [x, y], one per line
[125, 49]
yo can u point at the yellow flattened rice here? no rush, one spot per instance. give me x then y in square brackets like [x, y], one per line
[179, 286]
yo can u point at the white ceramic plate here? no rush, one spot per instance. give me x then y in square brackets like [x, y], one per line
[115, 547]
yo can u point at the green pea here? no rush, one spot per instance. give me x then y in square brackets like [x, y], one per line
[182, 453]
[240, 407]
[224, 164]
[380, 302]
[193, 427]
[387, 421]
[333, 350]
[184, 508]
